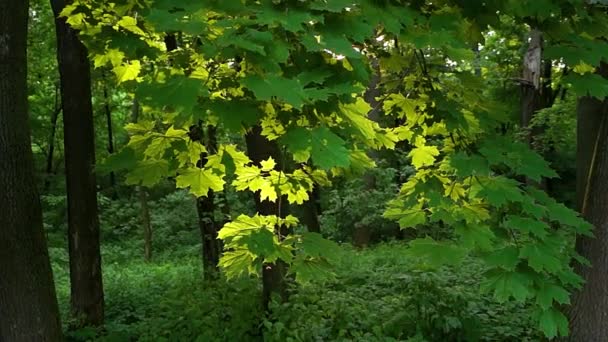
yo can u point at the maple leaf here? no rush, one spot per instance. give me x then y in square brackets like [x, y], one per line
[423, 155]
[199, 181]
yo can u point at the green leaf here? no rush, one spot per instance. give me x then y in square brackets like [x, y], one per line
[469, 165]
[480, 236]
[328, 149]
[175, 92]
[269, 86]
[237, 262]
[437, 253]
[506, 258]
[127, 71]
[527, 225]
[553, 323]
[148, 172]
[125, 159]
[549, 293]
[423, 156]
[308, 270]
[199, 181]
[499, 191]
[541, 257]
[316, 246]
[506, 284]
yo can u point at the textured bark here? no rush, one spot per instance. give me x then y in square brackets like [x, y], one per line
[51, 143]
[143, 199]
[87, 299]
[273, 275]
[362, 232]
[145, 220]
[536, 92]
[108, 112]
[311, 211]
[589, 310]
[28, 306]
[208, 226]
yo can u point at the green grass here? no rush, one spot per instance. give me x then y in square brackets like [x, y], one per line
[378, 294]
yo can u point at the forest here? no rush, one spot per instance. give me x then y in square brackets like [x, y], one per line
[303, 170]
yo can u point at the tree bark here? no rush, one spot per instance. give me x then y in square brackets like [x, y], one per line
[108, 112]
[143, 199]
[28, 305]
[536, 93]
[311, 211]
[208, 226]
[362, 232]
[589, 310]
[51, 152]
[87, 298]
[145, 219]
[273, 275]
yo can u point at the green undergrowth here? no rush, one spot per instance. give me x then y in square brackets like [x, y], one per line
[378, 294]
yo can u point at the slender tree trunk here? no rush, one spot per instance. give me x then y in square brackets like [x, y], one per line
[143, 199]
[208, 226]
[589, 310]
[362, 232]
[108, 112]
[311, 211]
[530, 85]
[273, 275]
[536, 92]
[87, 299]
[49, 158]
[145, 219]
[28, 305]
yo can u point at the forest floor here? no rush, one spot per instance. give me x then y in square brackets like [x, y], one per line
[378, 294]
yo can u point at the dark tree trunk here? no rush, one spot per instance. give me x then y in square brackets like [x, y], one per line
[108, 112]
[87, 299]
[50, 155]
[145, 220]
[536, 93]
[362, 233]
[273, 275]
[311, 211]
[208, 226]
[589, 310]
[28, 306]
[143, 199]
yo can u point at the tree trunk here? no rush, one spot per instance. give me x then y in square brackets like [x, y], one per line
[106, 105]
[311, 211]
[530, 85]
[145, 219]
[87, 299]
[51, 152]
[536, 93]
[362, 232]
[28, 306]
[211, 245]
[273, 275]
[589, 310]
[143, 199]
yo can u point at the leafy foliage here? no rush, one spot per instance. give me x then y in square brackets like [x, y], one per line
[298, 71]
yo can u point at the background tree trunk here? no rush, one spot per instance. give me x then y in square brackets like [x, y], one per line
[205, 206]
[143, 199]
[145, 220]
[311, 211]
[51, 152]
[87, 299]
[273, 275]
[108, 112]
[589, 310]
[28, 306]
